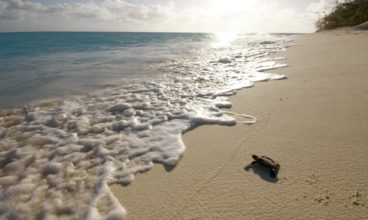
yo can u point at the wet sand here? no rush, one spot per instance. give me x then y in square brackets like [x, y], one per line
[315, 124]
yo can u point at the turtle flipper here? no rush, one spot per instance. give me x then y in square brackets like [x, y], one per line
[247, 167]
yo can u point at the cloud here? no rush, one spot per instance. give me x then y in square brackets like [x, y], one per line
[20, 5]
[121, 15]
[251, 16]
[123, 10]
[321, 7]
[104, 10]
[15, 9]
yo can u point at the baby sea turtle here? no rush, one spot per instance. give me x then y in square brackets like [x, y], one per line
[265, 162]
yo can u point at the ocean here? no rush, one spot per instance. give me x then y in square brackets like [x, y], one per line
[43, 65]
[82, 111]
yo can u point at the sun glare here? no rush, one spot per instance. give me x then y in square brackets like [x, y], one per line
[223, 39]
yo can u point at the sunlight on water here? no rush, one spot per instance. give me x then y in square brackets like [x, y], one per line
[224, 39]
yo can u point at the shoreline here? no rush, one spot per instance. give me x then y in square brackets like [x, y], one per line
[314, 124]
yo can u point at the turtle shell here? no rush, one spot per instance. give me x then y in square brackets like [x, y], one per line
[268, 162]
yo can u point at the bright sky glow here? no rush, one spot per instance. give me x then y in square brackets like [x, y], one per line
[162, 15]
[232, 6]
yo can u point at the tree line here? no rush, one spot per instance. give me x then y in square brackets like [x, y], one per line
[349, 13]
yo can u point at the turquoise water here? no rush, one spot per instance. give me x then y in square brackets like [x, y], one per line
[48, 64]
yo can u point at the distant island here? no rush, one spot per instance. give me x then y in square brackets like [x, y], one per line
[350, 13]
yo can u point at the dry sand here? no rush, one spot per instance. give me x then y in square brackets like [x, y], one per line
[315, 124]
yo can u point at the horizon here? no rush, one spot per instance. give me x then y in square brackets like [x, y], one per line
[150, 32]
[162, 16]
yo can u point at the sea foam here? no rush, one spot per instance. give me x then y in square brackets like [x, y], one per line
[58, 157]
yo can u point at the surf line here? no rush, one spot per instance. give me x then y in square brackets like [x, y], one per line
[241, 118]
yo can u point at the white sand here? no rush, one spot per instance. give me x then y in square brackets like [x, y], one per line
[315, 124]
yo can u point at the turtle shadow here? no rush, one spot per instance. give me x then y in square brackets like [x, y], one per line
[262, 172]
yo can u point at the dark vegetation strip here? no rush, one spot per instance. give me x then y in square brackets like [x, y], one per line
[349, 13]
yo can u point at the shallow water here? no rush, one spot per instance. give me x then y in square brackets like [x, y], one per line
[58, 156]
[42, 65]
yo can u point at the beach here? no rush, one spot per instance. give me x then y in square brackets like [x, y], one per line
[60, 153]
[315, 124]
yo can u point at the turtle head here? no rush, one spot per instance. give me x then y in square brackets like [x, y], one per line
[255, 157]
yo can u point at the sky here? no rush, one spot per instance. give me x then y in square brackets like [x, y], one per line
[271, 16]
